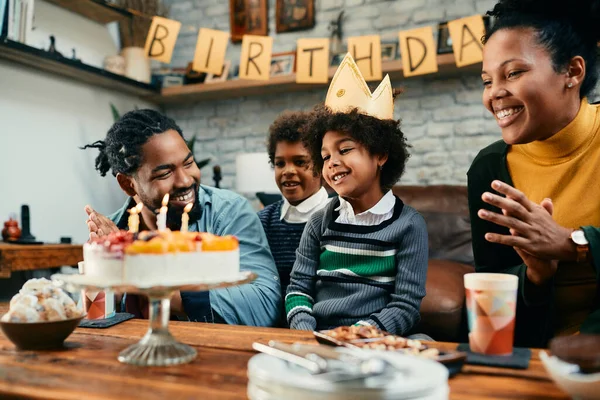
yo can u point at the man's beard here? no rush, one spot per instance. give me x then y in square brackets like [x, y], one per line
[174, 213]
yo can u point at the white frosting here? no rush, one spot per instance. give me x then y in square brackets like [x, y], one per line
[100, 263]
[147, 270]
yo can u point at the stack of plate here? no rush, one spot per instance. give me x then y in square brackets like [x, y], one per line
[408, 378]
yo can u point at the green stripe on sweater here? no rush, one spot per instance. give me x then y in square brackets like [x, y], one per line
[295, 300]
[361, 265]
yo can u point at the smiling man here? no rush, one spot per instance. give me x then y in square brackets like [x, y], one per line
[146, 152]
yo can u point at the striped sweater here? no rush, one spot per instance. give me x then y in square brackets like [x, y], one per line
[345, 273]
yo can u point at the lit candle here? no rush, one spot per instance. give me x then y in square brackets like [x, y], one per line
[134, 220]
[185, 218]
[161, 220]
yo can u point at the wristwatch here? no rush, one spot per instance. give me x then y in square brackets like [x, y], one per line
[583, 246]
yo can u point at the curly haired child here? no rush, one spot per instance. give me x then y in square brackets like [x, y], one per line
[363, 258]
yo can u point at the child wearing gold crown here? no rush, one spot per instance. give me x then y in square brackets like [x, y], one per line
[363, 258]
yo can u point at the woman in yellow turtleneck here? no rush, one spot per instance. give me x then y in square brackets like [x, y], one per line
[534, 197]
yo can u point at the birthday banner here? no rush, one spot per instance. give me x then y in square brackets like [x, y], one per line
[417, 48]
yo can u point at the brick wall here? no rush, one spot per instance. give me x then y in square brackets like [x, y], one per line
[443, 117]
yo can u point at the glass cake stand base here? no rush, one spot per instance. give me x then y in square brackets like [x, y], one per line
[158, 348]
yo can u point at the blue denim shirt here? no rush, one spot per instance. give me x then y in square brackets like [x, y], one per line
[257, 303]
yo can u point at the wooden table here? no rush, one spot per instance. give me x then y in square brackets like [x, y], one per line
[89, 369]
[20, 257]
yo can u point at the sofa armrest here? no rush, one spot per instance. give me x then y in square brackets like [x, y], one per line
[442, 309]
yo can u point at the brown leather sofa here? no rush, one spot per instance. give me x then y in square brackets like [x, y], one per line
[446, 212]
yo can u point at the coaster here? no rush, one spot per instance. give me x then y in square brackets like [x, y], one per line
[106, 322]
[518, 359]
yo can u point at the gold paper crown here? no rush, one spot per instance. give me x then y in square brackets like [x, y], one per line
[348, 89]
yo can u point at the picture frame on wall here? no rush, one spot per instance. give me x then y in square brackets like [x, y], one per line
[389, 51]
[283, 63]
[294, 15]
[248, 17]
[444, 41]
[212, 78]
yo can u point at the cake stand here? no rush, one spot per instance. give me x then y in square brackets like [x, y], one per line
[158, 347]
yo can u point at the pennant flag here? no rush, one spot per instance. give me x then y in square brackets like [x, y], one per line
[366, 51]
[466, 34]
[255, 61]
[210, 51]
[418, 51]
[312, 61]
[161, 39]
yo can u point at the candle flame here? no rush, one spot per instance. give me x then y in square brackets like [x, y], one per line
[165, 200]
[188, 207]
[139, 207]
[133, 210]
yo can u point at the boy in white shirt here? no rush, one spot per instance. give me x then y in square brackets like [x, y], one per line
[300, 186]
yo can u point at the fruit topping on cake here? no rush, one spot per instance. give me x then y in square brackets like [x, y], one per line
[180, 242]
[115, 242]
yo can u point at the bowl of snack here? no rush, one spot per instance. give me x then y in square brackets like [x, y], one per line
[370, 337]
[41, 316]
[574, 364]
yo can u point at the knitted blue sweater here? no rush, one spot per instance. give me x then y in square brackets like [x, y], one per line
[283, 238]
[346, 273]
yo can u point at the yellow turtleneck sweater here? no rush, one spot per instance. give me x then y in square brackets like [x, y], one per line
[566, 169]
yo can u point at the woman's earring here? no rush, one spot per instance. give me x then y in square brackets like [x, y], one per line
[570, 85]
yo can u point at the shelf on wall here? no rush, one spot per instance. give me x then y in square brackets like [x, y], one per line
[80, 72]
[75, 70]
[278, 84]
[96, 10]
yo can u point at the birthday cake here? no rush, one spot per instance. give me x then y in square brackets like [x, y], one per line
[162, 258]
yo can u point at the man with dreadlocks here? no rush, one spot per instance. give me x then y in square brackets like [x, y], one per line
[146, 152]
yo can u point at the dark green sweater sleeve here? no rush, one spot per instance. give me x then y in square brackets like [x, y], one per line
[592, 234]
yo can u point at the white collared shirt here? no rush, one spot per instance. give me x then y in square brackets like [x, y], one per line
[382, 211]
[302, 212]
